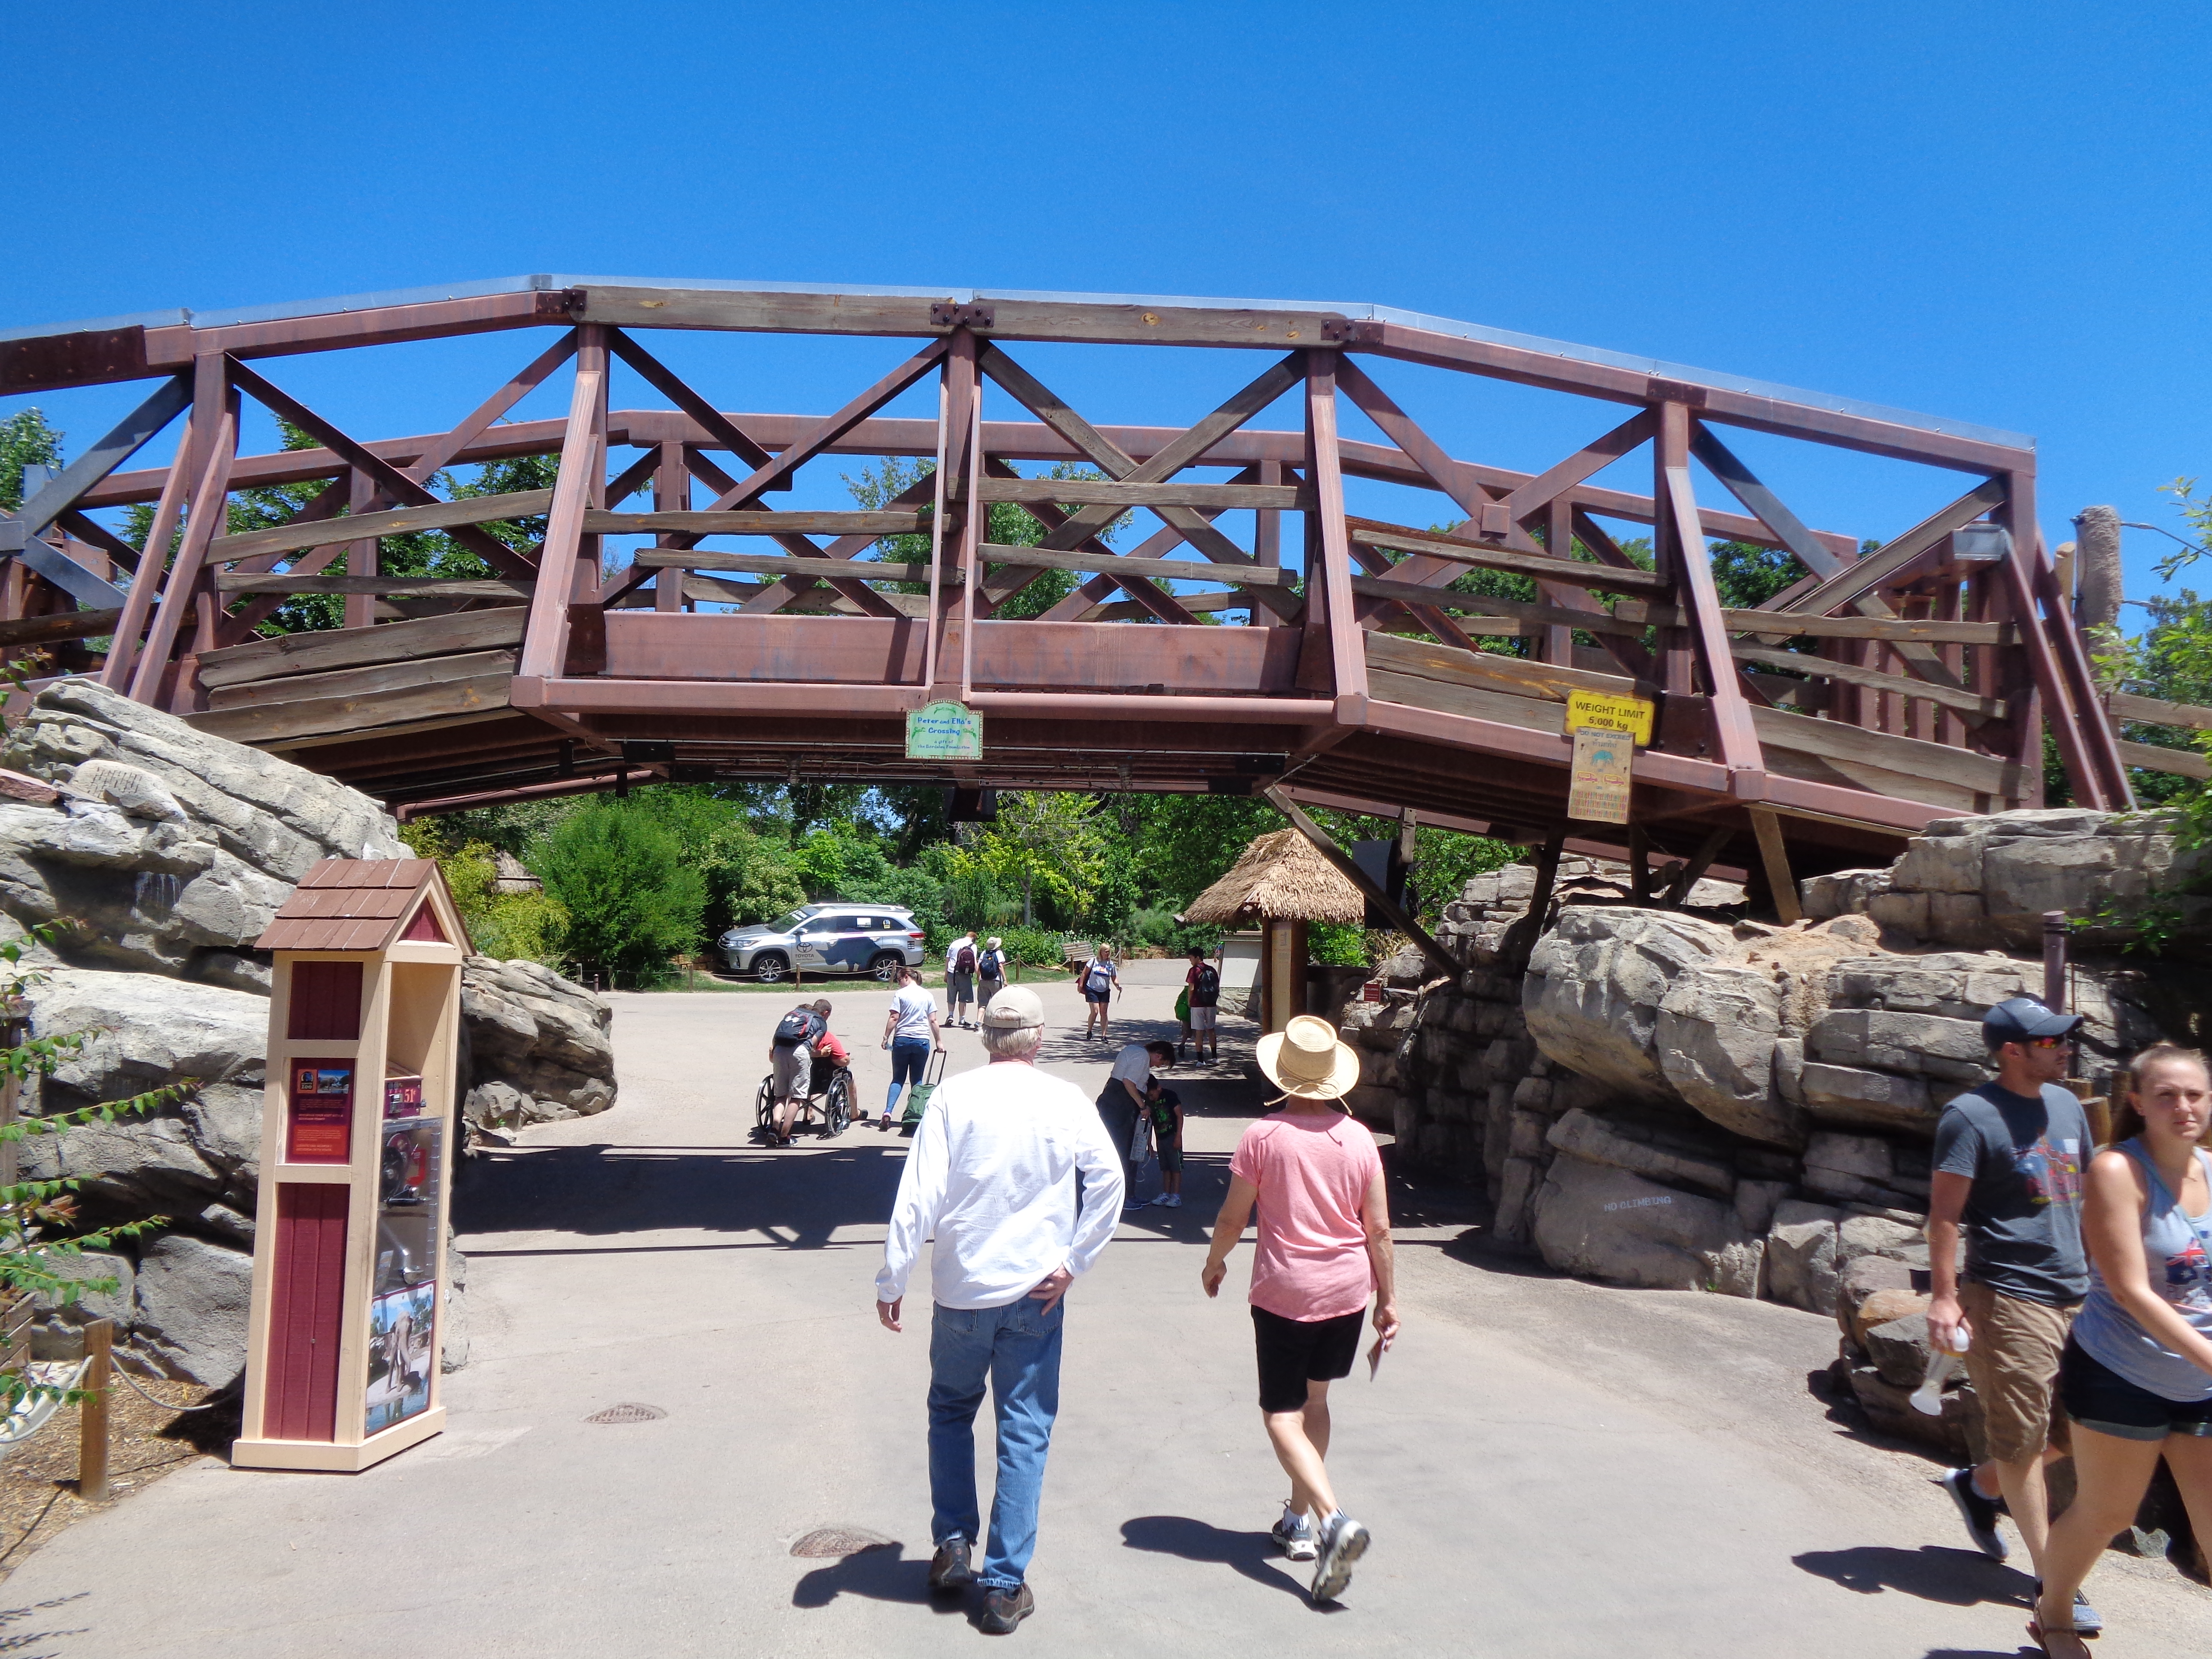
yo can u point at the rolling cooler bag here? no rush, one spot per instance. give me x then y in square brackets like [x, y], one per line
[918, 1094]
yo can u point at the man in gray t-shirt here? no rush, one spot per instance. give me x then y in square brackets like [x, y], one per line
[2007, 1168]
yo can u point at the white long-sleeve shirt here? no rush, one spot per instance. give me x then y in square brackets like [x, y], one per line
[994, 1173]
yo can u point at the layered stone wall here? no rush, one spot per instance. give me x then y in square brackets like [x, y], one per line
[1687, 1099]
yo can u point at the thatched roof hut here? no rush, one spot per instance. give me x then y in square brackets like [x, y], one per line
[1281, 877]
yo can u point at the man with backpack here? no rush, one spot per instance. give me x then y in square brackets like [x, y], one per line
[791, 1061]
[960, 980]
[991, 970]
[1202, 986]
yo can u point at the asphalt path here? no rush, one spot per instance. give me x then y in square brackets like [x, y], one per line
[1547, 1467]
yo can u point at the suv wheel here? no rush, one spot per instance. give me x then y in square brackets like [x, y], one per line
[771, 966]
[886, 964]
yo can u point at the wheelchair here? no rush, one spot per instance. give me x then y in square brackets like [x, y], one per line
[829, 1088]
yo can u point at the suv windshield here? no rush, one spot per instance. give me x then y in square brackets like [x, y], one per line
[790, 924]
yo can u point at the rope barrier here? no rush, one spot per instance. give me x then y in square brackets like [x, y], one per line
[167, 1406]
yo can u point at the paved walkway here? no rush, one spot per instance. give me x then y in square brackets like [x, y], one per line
[1549, 1467]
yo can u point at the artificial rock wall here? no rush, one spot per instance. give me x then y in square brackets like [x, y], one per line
[163, 852]
[1690, 1100]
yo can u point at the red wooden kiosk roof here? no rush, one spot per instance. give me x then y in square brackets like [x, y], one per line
[356, 904]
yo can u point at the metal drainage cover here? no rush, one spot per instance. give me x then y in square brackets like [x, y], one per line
[629, 1411]
[841, 1540]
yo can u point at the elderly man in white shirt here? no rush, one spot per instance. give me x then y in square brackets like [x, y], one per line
[1012, 1172]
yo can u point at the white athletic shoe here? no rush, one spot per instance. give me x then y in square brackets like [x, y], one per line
[1293, 1534]
[1343, 1541]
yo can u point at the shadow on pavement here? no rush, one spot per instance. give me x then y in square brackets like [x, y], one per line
[1954, 1577]
[1253, 1554]
[882, 1574]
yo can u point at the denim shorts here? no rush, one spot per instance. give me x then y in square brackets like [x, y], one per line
[2098, 1397]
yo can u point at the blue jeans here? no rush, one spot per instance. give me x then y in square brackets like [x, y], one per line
[1018, 1347]
[909, 1064]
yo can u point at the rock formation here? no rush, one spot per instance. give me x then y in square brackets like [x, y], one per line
[164, 852]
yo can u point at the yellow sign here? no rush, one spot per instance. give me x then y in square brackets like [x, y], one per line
[1598, 788]
[1610, 711]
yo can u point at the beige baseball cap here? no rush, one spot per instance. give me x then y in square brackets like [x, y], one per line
[1013, 1008]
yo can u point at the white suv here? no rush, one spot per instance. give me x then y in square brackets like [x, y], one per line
[835, 938]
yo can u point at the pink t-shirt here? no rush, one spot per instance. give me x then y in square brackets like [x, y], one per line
[1312, 1171]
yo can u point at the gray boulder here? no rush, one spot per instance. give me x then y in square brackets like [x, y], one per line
[545, 1037]
[1599, 1142]
[189, 1313]
[1595, 984]
[1801, 1256]
[1715, 1040]
[272, 816]
[1608, 1224]
[142, 1031]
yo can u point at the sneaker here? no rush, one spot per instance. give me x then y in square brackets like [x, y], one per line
[2088, 1623]
[1169, 1200]
[1294, 1536]
[949, 1569]
[1979, 1513]
[1343, 1541]
[1003, 1609]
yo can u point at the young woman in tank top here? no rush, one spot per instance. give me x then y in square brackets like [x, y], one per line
[2137, 1377]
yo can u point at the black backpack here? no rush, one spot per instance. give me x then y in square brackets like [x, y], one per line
[965, 962]
[799, 1025]
[1205, 989]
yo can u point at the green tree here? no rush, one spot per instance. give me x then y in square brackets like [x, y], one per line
[633, 903]
[26, 440]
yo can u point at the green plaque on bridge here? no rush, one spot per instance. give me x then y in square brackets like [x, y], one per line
[944, 731]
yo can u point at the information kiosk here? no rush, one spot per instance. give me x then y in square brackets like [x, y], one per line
[357, 1140]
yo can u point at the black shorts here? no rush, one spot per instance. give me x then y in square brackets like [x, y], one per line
[1296, 1352]
[2098, 1397]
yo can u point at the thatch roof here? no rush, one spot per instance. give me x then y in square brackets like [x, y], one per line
[1282, 877]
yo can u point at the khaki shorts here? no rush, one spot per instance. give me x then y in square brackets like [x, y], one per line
[2012, 1360]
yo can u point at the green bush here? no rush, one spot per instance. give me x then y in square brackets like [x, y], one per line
[1337, 944]
[633, 902]
[1184, 934]
[1033, 947]
[1154, 926]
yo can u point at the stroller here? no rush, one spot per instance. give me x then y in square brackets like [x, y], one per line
[918, 1094]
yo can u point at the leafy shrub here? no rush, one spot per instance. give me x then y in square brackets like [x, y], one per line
[632, 901]
[1033, 947]
[502, 924]
[1184, 934]
[1154, 926]
[1337, 944]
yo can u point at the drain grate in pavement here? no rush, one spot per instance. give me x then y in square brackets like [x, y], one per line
[841, 1540]
[629, 1411]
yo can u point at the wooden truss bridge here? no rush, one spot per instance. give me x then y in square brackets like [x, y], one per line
[759, 643]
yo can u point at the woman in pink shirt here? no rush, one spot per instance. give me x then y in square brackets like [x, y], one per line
[1324, 1246]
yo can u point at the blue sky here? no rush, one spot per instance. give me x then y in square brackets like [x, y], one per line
[1995, 214]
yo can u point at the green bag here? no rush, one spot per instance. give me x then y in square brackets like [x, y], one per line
[1182, 1004]
[918, 1094]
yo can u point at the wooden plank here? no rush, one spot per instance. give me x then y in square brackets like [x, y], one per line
[412, 587]
[400, 521]
[1781, 885]
[1987, 707]
[2153, 712]
[354, 647]
[921, 315]
[1375, 534]
[363, 714]
[1834, 773]
[61, 625]
[1188, 570]
[1815, 696]
[130, 434]
[2182, 762]
[1908, 757]
[1787, 625]
[1529, 619]
[1553, 681]
[1879, 566]
[783, 564]
[370, 681]
[1448, 697]
[599, 522]
[1082, 492]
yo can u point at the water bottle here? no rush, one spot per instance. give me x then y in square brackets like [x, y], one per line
[1927, 1398]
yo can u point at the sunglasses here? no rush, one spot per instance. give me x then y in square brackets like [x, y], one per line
[2050, 1042]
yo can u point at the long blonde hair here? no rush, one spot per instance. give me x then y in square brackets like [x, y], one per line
[2127, 1120]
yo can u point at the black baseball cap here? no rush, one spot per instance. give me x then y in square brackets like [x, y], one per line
[2023, 1019]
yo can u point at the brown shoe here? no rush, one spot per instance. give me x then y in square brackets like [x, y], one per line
[1003, 1609]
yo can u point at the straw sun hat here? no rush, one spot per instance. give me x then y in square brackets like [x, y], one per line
[1305, 1059]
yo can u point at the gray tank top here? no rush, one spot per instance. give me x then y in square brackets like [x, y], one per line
[2178, 1251]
